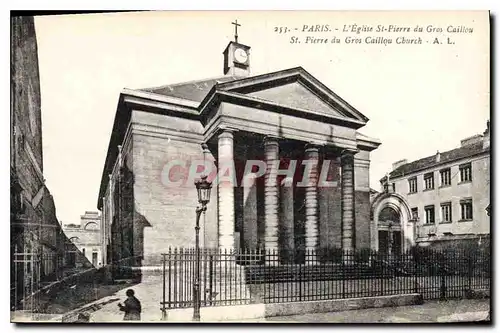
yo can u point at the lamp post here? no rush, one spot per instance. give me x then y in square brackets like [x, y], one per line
[203, 187]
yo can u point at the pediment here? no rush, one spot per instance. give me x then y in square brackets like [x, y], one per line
[297, 89]
[296, 95]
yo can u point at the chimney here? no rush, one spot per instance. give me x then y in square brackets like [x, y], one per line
[438, 157]
[399, 163]
[386, 184]
[471, 140]
[486, 136]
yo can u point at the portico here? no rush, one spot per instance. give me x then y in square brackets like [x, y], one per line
[286, 205]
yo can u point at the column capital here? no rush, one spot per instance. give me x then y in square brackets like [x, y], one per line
[225, 134]
[204, 147]
[348, 153]
[310, 146]
[271, 140]
[226, 130]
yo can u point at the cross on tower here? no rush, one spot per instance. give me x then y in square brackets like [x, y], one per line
[236, 25]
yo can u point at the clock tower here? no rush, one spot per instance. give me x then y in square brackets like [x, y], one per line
[236, 56]
[237, 59]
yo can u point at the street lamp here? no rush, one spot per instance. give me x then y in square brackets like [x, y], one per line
[203, 186]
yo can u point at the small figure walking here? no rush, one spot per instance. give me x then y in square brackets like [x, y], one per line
[132, 307]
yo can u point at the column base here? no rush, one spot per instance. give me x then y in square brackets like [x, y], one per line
[311, 256]
[229, 284]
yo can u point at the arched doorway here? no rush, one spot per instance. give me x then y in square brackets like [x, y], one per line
[392, 227]
[389, 231]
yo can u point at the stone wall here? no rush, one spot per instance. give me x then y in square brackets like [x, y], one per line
[362, 211]
[166, 210]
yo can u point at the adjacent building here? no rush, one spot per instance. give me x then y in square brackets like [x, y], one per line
[147, 196]
[86, 238]
[440, 199]
[37, 240]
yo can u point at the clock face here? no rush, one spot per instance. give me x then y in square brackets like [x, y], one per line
[240, 55]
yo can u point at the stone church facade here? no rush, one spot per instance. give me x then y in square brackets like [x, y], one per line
[287, 122]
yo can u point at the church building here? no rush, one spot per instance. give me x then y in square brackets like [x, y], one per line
[287, 119]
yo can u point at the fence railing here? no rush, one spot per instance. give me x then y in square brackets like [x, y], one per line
[229, 277]
[29, 273]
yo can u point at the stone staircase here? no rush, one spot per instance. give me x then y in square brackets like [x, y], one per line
[255, 274]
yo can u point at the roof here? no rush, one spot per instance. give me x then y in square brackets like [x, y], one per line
[430, 161]
[193, 90]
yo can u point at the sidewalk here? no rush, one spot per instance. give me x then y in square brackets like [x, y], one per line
[149, 294]
[430, 311]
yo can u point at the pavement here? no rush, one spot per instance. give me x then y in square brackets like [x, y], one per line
[149, 293]
[28, 317]
[431, 311]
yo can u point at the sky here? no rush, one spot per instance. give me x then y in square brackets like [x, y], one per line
[419, 98]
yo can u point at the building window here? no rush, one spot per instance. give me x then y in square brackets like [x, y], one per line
[429, 215]
[466, 209]
[414, 214]
[429, 181]
[465, 172]
[413, 185]
[445, 177]
[91, 226]
[446, 212]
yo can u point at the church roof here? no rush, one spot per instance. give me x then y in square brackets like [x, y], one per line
[430, 161]
[192, 90]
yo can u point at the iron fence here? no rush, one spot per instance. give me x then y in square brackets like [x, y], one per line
[251, 276]
[29, 273]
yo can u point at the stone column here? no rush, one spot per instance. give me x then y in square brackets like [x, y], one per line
[312, 156]
[249, 212]
[287, 222]
[348, 221]
[271, 148]
[226, 192]
[325, 200]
